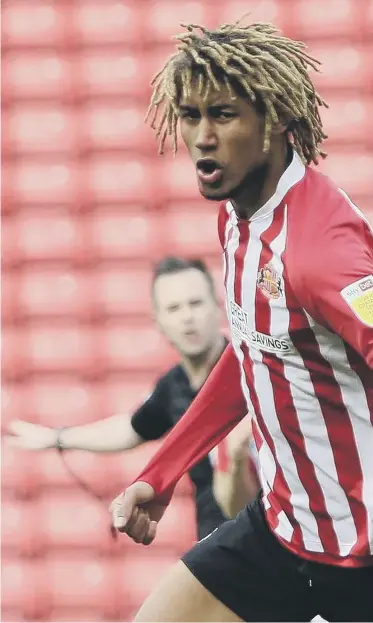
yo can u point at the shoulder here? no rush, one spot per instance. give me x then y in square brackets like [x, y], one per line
[317, 204]
[322, 219]
[171, 376]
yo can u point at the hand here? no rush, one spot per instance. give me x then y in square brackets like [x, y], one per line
[238, 440]
[30, 436]
[136, 513]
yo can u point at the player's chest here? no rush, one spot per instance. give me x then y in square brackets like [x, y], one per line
[261, 307]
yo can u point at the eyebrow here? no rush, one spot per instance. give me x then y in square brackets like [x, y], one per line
[211, 107]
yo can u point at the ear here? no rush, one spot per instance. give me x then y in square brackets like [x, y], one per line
[279, 128]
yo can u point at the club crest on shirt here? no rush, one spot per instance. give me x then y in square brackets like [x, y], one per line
[359, 296]
[270, 282]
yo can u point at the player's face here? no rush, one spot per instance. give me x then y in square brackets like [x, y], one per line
[224, 137]
[186, 311]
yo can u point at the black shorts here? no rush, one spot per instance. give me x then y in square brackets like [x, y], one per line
[246, 568]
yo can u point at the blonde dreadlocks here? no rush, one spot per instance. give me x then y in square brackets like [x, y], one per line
[253, 61]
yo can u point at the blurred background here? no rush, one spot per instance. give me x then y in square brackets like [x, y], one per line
[87, 208]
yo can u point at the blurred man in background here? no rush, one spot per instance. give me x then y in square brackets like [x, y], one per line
[187, 313]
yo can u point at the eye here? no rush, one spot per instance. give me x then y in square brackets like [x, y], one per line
[190, 113]
[224, 114]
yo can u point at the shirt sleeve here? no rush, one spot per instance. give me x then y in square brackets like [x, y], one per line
[151, 420]
[218, 407]
[337, 282]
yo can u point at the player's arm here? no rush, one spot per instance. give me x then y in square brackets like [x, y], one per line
[336, 282]
[218, 407]
[235, 479]
[113, 434]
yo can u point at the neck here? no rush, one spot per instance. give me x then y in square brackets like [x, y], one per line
[198, 368]
[260, 184]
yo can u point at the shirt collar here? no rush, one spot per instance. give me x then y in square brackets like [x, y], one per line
[291, 176]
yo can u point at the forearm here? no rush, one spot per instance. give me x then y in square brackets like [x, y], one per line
[111, 434]
[236, 487]
[219, 406]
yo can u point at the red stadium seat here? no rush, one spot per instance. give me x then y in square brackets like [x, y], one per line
[121, 289]
[119, 179]
[8, 615]
[59, 347]
[370, 14]
[58, 513]
[32, 23]
[12, 402]
[115, 125]
[341, 19]
[12, 355]
[274, 11]
[81, 581]
[30, 74]
[135, 346]
[153, 60]
[51, 234]
[23, 588]
[20, 473]
[191, 227]
[164, 17]
[9, 241]
[351, 169]
[60, 400]
[9, 296]
[45, 181]
[111, 72]
[45, 292]
[39, 128]
[128, 232]
[22, 529]
[123, 393]
[99, 22]
[344, 66]
[141, 573]
[91, 475]
[348, 119]
[177, 177]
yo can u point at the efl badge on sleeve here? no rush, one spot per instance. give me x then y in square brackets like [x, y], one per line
[359, 296]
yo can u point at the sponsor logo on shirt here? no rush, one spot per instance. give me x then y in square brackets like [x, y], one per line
[359, 297]
[270, 282]
[241, 330]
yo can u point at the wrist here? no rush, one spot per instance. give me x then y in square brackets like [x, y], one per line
[59, 442]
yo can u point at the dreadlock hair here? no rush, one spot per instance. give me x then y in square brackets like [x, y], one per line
[255, 62]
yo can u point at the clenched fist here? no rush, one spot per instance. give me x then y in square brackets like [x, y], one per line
[136, 513]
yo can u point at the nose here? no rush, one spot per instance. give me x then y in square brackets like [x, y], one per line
[206, 137]
[187, 315]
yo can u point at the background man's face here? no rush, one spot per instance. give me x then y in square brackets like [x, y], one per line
[186, 311]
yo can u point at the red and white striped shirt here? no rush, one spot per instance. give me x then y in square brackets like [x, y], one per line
[299, 286]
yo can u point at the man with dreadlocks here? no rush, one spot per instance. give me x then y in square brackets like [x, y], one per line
[299, 287]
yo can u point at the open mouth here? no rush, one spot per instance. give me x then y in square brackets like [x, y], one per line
[208, 170]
